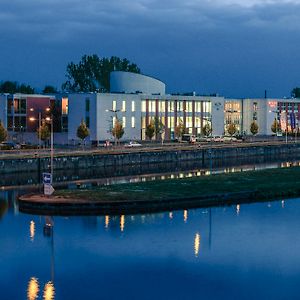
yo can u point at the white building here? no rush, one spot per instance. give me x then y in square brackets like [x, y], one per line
[137, 105]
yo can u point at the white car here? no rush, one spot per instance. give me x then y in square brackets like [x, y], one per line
[133, 144]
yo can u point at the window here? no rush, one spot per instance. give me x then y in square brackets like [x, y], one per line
[87, 104]
[124, 122]
[133, 106]
[124, 105]
[114, 105]
[144, 106]
[64, 106]
[133, 122]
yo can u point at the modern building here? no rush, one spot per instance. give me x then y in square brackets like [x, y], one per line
[136, 106]
[137, 100]
[21, 114]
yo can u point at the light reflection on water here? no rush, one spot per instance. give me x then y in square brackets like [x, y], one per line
[242, 251]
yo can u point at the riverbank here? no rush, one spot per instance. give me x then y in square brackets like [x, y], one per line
[205, 153]
[220, 189]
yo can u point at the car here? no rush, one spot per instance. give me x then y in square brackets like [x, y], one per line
[133, 144]
[9, 146]
[217, 138]
[229, 139]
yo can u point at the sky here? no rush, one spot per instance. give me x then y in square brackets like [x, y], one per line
[236, 48]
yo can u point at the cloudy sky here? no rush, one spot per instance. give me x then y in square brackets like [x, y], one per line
[237, 48]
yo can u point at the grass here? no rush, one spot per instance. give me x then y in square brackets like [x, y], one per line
[270, 183]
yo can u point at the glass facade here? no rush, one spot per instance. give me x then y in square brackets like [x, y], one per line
[233, 115]
[193, 115]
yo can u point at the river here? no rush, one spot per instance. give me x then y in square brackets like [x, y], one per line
[248, 251]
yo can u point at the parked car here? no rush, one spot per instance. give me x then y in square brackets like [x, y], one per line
[229, 138]
[9, 146]
[217, 138]
[133, 144]
[189, 138]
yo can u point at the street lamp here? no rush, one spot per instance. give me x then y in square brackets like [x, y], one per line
[50, 119]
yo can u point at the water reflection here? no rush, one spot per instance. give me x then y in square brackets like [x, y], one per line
[106, 221]
[238, 207]
[197, 244]
[49, 291]
[32, 230]
[282, 203]
[33, 289]
[122, 222]
[185, 215]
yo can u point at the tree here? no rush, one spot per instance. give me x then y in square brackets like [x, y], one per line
[49, 89]
[3, 133]
[150, 130]
[275, 127]
[13, 87]
[43, 132]
[179, 130]
[158, 127]
[92, 73]
[295, 92]
[118, 130]
[82, 131]
[231, 129]
[254, 128]
[206, 130]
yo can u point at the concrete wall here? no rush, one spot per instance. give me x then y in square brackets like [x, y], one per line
[217, 110]
[126, 82]
[77, 112]
[76, 163]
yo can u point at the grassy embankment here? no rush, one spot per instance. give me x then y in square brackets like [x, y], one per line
[267, 184]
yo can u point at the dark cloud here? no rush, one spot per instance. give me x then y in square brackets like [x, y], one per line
[234, 47]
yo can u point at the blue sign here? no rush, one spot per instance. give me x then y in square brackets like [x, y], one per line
[293, 120]
[47, 178]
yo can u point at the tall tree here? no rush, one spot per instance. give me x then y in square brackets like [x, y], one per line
[82, 131]
[275, 127]
[231, 129]
[150, 130]
[49, 89]
[92, 73]
[179, 130]
[295, 92]
[13, 87]
[254, 128]
[3, 133]
[118, 130]
[158, 127]
[206, 130]
[43, 132]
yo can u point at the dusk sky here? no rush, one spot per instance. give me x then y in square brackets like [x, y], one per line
[236, 48]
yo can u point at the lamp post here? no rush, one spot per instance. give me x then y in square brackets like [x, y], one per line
[50, 119]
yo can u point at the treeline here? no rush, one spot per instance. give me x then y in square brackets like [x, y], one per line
[90, 74]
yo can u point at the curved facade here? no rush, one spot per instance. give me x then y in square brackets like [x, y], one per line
[128, 83]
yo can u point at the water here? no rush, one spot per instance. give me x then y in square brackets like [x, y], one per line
[249, 251]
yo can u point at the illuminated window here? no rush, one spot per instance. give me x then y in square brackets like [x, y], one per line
[124, 122]
[123, 105]
[133, 106]
[143, 106]
[64, 106]
[114, 105]
[133, 122]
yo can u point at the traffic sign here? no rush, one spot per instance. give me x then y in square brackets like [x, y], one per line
[48, 189]
[47, 178]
